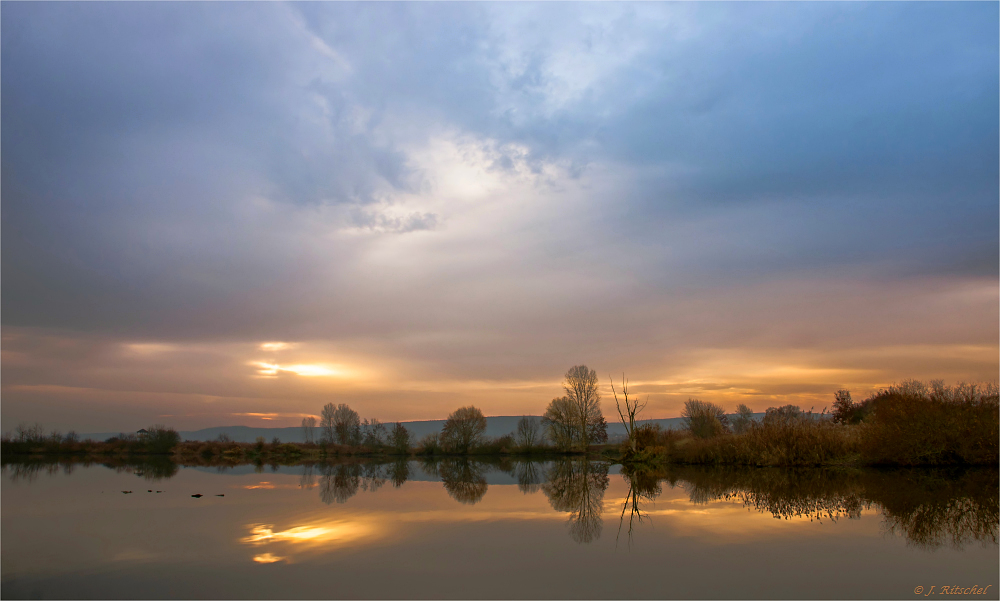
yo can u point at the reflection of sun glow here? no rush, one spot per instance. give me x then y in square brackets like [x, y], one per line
[272, 369]
[267, 558]
[322, 534]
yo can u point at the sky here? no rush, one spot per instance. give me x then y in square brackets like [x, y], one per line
[234, 213]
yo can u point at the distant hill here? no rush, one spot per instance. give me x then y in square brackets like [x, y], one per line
[495, 426]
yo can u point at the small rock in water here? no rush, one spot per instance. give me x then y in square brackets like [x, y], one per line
[220, 495]
[197, 496]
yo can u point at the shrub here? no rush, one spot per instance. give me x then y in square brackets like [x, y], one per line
[783, 415]
[778, 442]
[704, 419]
[161, 439]
[913, 425]
[429, 445]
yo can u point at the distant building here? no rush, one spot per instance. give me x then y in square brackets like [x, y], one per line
[142, 434]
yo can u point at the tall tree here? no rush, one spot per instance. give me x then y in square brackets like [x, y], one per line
[527, 432]
[582, 392]
[328, 433]
[560, 423]
[309, 429]
[399, 438]
[347, 425]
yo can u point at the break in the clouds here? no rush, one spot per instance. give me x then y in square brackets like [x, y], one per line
[217, 212]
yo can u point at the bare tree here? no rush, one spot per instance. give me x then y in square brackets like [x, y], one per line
[527, 432]
[464, 429]
[375, 433]
[328, 434]
[631, 409]
[346, 425]
[560, 423]
[582, 392]
[309, 429]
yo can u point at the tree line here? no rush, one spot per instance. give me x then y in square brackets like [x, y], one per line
[571, 422]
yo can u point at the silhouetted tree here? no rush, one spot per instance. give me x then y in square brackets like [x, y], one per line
[463, 429]
[399, 438]
[527, 432]
[328, 433]
[843, 407]
[374, 433]
[582, 392]
[560, 423]
[341, 424]
[632, 408]
[309, 429]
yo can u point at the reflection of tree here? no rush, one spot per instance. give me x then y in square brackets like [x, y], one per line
[28, 469]
[929, 507]
[372, 476]
[463, 479]
[339, 482]
[643, 485]
[577, 486]
[308, 478]
[529, 476]
[22, 471]
[399, 472]
[951, 510]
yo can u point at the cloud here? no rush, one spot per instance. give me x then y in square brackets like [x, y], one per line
[487, 192]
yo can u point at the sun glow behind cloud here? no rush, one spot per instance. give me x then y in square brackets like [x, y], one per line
[266, 369]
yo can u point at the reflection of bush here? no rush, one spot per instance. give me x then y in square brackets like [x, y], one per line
[578, 488]
[463, 479]
[929, 507]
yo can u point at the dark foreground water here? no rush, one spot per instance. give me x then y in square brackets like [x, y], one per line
[458, 529]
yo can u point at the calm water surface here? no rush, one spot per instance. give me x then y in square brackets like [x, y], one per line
[459, 529]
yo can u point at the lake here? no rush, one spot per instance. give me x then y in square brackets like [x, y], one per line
[503, 529]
